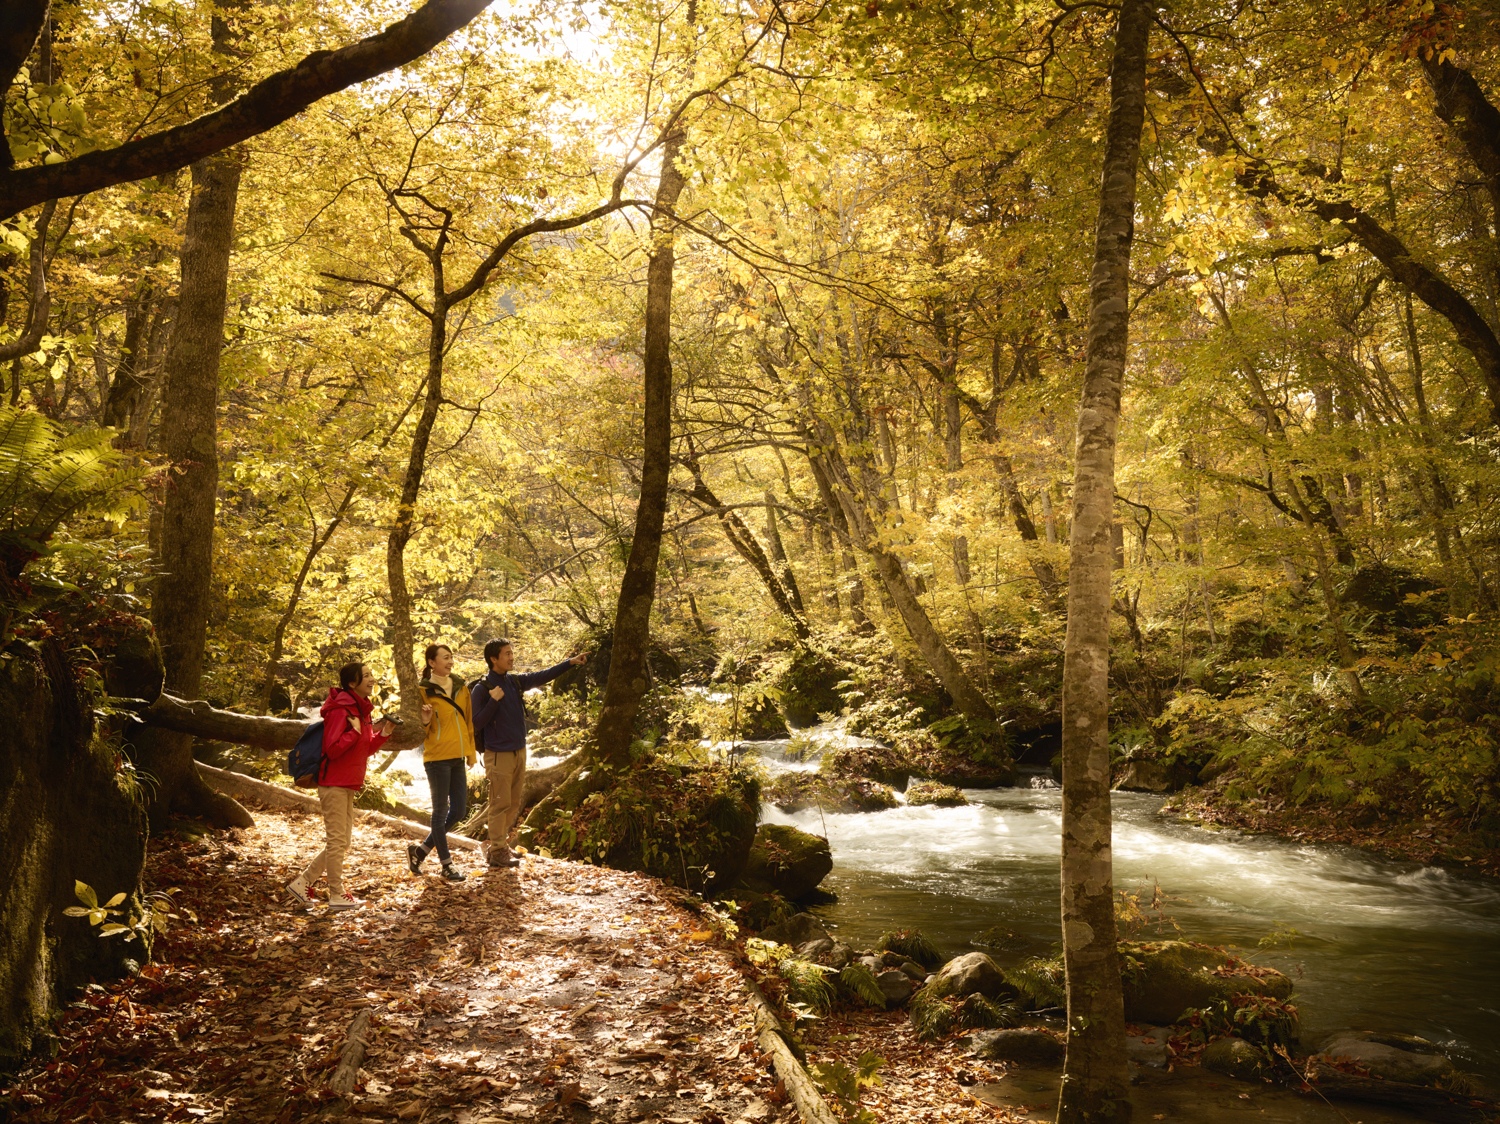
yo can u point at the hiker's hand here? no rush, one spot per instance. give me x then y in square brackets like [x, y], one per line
[496, 691]
[354, 723]
[386, 727]
[426, 715]
[580, 659]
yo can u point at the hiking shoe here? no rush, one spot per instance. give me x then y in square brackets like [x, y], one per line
[414, 856]
[337, 903]
[299, 892]
[452, 873]
[500, 858]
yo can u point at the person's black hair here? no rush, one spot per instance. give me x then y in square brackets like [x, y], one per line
[350, 674]
[430, 655]
[494, 648]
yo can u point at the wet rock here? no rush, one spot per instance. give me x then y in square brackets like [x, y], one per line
[1024, 1045]
[937, 795]
[873, 963]
[1234, 1057]
[786, 860]
[817, 950]
[795, 792]
[1390, 1057]
[1002, 939]
[877, 762]
[840, 956]
[915, 971]
[895, 985]
[796, 930]
[1149, 1048]
[1144, 774]
[973, 973]
[1165, 978]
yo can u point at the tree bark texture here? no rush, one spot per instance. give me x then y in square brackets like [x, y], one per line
[627, 681]
[1095, 1080]
[189, 437]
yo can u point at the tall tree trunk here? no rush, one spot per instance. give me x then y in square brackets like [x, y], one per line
[783, 565]
[189, 434]
[1095, 1079]
[847, 568]
[626, 685]
[743, 539]
[403, 636]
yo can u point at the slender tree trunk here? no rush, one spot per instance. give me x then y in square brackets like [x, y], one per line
[189, 433]
[403, 636]
[1095, 1085]
[627, 681]
[743, 539]
[847, 568]
[782, 564]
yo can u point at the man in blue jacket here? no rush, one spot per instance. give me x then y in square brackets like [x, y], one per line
[499, 710]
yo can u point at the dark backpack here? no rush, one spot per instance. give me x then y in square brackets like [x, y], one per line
[305, 763]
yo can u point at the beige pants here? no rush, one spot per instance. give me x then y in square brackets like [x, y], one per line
[506, 773]
[338, 830]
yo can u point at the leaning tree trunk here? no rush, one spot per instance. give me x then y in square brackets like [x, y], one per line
[1095, 1079]
[626, 685]
[189, 432]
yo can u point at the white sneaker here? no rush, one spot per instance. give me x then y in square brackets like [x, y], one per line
[299, 892]
[337, 903]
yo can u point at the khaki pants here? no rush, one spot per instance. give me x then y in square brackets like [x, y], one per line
[506, 773]
[338, 830]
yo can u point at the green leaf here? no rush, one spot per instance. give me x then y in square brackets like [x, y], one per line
[85, 893]
[116, 900]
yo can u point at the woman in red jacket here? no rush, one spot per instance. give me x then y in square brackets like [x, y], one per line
[349, 740]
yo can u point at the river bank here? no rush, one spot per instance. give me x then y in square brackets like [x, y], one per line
[1414, 838]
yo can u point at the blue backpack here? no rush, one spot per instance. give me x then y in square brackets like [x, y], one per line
[304, 764]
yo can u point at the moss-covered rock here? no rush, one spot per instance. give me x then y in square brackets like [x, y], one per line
[692, 826]
[934, 759]
[70, 810]
[760, 720]
[881, 763]
[1234, 1057]
[938, 795]
[795, 792]
[1164, 979]
[787, 861]
[808, 687]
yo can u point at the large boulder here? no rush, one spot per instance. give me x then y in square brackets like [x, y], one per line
[796, 792]
[1390, 1057]
[796, 931]
[1163, 979]
[895, 985]
[877, 762]
[787, 860]
[937, 795]
[1023, 1045]
[1148, 774]
[808, 688]
[973, 973]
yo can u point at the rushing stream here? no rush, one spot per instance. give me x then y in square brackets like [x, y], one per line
[1378, 945]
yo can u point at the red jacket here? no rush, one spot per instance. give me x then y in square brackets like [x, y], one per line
[345, 752]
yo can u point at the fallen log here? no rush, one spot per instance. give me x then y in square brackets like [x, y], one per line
[237, 784]
[539, 784]
[346, 1076]
[258, 731]
[774, 1040]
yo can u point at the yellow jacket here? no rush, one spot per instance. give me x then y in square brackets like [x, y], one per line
[450, 731]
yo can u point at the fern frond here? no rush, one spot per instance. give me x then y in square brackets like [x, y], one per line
[860, 982]
[807, 984]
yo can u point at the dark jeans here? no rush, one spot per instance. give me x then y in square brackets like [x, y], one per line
[450, 797]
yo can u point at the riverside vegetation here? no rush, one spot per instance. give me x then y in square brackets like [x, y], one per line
[762, 351]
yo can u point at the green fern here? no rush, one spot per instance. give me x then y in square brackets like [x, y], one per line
[977, 1011]
[807, 984]
[932, 1016]
[860, 982]
[911, 944]
[48, 476]
[1040, 980]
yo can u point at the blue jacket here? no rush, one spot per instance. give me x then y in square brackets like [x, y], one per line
[500, 724]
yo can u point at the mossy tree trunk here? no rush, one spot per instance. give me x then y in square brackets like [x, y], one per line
[1095, 1085]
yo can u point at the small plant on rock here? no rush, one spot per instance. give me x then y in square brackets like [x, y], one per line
[912, 944]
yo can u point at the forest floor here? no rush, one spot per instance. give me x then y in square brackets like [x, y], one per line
[554, 992]
[1406, 837]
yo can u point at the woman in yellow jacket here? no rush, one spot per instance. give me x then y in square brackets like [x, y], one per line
[446, 752]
